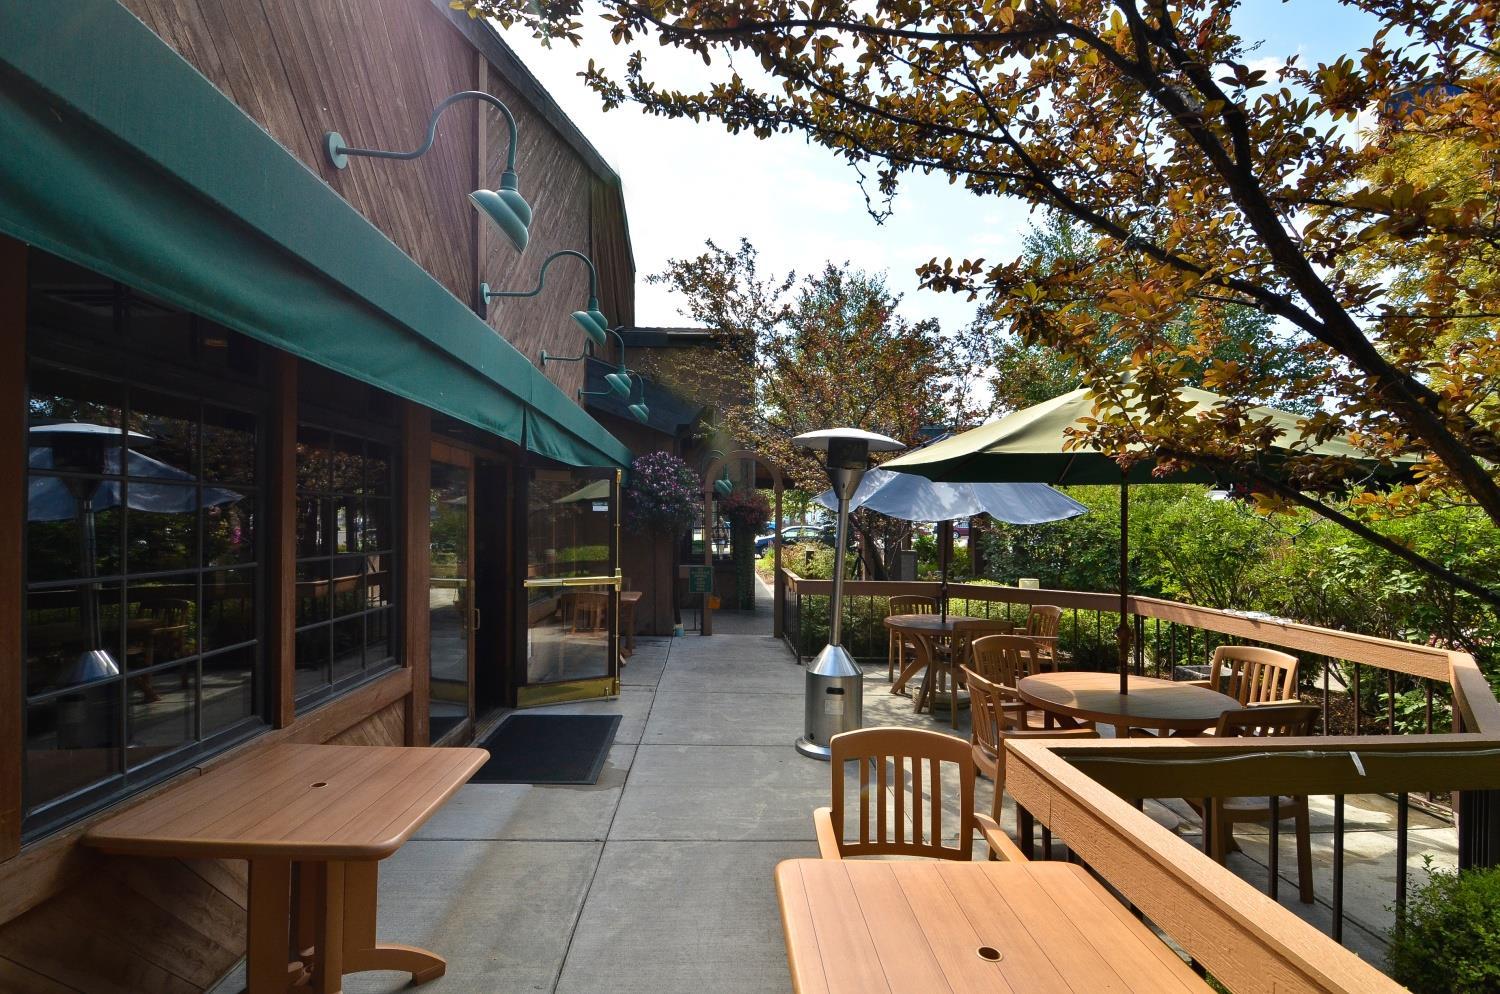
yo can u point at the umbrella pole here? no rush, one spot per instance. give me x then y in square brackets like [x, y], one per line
[945, 548]
[1123, 632]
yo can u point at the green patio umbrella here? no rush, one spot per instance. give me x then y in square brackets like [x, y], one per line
[1031, 445]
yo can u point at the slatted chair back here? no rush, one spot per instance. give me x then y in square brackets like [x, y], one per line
[1005, 660]
[1263, 722]
[1253, 675]
[986, 717]
[969, 631]
[911, 604]
[1043, 621]
[895, 759]
[590, 611]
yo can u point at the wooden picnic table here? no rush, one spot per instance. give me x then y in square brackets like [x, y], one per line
[929, 927]
[1160, 705]
[313, 821]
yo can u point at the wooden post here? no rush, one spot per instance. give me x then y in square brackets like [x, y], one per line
[706, 617]
[778, 582]
[281, 544]
[12, 537]
[416, 483]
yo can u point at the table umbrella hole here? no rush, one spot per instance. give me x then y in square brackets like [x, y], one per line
[321, 783]
[990, 953]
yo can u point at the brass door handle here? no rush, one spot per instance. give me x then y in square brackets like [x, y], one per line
[575, 581]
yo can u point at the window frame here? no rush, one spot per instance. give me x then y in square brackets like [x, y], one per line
[112, 359]
[340, 422]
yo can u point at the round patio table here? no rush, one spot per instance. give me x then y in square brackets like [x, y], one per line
[1160, 705]
[934, 625]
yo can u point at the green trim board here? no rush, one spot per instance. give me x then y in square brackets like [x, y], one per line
[122, 157]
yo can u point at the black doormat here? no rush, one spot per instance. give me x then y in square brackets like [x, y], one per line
[548, 748]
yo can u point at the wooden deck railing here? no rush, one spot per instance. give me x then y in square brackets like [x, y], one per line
[1084, 793]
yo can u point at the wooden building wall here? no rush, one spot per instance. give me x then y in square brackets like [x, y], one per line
[72, 920]
[303, 69]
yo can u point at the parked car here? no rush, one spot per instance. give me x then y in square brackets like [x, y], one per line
[797, 533]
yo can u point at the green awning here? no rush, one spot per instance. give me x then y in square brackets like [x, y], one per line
[120, 156]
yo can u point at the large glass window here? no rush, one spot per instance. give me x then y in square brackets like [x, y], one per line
[346, 559]
[142, 545]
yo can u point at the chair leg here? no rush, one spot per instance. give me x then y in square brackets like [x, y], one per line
[1304, 853]
[953, 697]
[1223, 832]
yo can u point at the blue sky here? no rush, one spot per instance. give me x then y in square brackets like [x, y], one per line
[685, 182]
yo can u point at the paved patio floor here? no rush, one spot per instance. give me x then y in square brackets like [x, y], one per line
[657, 880]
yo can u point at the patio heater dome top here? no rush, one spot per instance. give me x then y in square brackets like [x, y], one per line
[819, 440]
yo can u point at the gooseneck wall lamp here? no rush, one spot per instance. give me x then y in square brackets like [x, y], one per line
[620, 383]
[591, 319]
[506, 207]
[723, 486]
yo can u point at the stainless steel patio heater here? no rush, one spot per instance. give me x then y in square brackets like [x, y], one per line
[834, 699]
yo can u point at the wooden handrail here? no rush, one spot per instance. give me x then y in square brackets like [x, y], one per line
[1475, 706]
[1246, 940]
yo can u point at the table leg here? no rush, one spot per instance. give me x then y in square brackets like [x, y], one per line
[269, 924]
[906, 671]
[328, 967]
[361, 951]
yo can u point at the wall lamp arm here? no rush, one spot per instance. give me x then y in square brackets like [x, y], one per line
[337, 150]
[541, 277]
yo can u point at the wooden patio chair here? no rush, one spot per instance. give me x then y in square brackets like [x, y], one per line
[995, 719]
[902, 757]
[897, 654]
[1006, 660]
[1252, 675]
[1226, 812]
[1042, 623]
[590, 611]
[943, 669]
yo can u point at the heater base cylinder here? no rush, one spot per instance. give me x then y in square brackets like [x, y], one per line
[834, 700]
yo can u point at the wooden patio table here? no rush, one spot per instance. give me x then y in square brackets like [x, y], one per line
[929, 927]
[332, 813]
[628, 600]
[1161, 705]
[924, 624]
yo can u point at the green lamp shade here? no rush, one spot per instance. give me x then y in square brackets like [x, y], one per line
[723, 487]
[619, 383]
[640, 412]
[596, 329]
[508, 209]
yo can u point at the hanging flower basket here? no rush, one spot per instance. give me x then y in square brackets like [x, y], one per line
[661, 494]
[748, 508]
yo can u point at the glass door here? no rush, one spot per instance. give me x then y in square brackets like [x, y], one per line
[453, 616]
[572, 587]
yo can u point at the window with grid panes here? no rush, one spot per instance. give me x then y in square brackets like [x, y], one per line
[346, 559]
[142, 562]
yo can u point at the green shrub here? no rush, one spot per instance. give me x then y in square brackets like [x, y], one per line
[1449, 940]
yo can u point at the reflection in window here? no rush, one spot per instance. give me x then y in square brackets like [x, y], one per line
[345, 559]
[569, 532]
[141, 553]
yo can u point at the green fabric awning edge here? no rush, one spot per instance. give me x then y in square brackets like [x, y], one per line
[126, 159]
